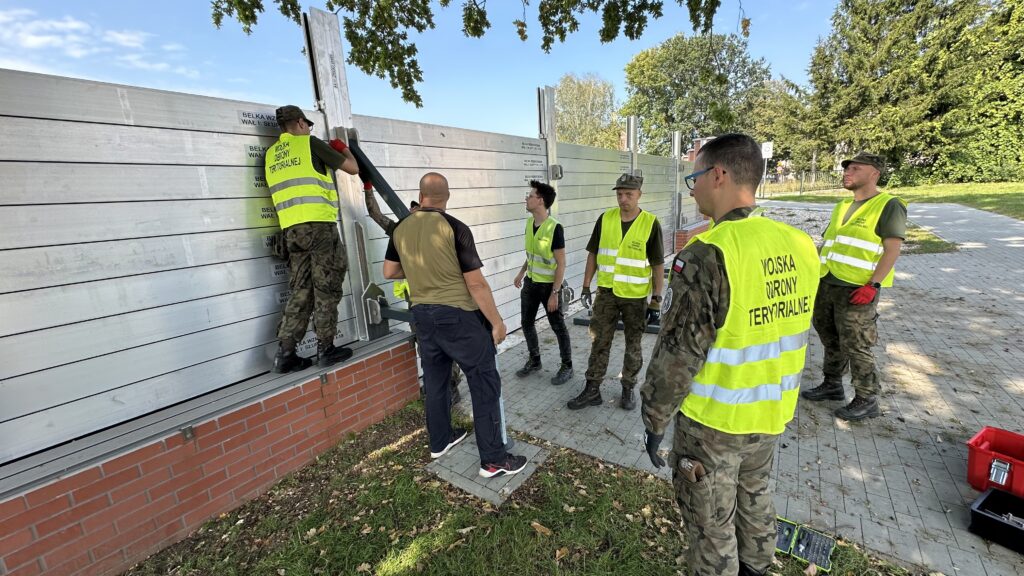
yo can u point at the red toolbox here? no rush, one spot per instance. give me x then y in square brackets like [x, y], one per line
[995, 459]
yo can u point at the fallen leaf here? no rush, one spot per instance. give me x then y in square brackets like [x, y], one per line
[364, 567]
[456, 544]
[280, 571]
[561, 553]
[466, 530]
[811, 570]
[569, 509]
[540, 528]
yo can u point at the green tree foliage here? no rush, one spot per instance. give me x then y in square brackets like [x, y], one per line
[702, 85]
[781, 110]
[377, 31]
[587, 113]
[934, 85]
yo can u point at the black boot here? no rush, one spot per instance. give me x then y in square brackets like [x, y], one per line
[563, 376]
[861, 408]
[628, 400]
[288, 361]
[532, 365]
[591, 396]
[328, 354]
[827, 391]
[746, 570]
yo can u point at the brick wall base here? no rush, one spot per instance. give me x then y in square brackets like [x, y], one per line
[683, 236]
[104, 519]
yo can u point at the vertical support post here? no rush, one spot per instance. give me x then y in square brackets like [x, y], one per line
[330, 87]
[677, 201]
[548, 118]
[631, 143]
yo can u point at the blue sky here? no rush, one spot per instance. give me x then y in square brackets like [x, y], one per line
[483, 84]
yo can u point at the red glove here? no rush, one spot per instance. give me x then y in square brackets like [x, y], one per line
[863, 295]
[367, 186]
[339, 145]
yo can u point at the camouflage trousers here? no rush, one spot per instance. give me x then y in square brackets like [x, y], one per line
[847, 333]
[608, 308]
[317, 264]
[728, 514]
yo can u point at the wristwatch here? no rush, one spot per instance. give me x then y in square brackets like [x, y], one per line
[656, 298]
[875, 285]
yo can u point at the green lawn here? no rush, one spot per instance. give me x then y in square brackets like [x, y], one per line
[1001, 197]
[369, 507]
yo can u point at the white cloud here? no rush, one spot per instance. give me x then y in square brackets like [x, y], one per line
[126, 38]
[139, 62]
[186, 72]
[173, 47]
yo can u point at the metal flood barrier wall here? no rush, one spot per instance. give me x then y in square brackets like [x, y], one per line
[136, 272]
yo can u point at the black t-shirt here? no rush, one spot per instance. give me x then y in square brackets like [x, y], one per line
[324, 155]
[655, 247]
[557, 239]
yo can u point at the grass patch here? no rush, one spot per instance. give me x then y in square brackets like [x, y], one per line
[1005, 198]
[369, 507]
[921, 241]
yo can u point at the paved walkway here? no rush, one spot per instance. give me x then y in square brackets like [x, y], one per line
[950, 354]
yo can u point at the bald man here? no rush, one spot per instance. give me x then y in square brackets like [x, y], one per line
[456, 321]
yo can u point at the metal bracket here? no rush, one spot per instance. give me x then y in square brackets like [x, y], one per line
[555, 172]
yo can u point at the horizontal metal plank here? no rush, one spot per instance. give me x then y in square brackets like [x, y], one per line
[41, 96]
[441, 159]
[63, 183]
[32, 268]
[22, 139]
[566, 150]
[31, 226]
[571, 166]
[408, 179]
[384, 130]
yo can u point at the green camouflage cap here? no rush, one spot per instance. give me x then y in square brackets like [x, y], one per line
[629, 181]
[290, 113]
[873, 160]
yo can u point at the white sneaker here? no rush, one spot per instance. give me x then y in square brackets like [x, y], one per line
[458, 435]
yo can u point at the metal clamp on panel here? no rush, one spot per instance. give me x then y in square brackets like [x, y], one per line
[555, 172]
[377, 324]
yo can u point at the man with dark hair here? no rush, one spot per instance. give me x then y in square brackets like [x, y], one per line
[626, 251]
[544, 270]
[862, 243]
[306, 201]
[401, 287]
[456, 320]
[728, 360]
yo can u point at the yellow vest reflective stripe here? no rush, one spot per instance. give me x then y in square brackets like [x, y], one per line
[750, 382]
[300, 193]
[401, 289]
[622, 263]
[851, 251]
[540, 258]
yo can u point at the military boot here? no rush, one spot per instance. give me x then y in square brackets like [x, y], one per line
[328, 354]
[563, 376]
[591, 396]
[288, 361]
[746, 570]
[827, 391]
[861, 408]
[532, 365]
[628, 400]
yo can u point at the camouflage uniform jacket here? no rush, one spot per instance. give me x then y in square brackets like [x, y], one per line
[695, 307]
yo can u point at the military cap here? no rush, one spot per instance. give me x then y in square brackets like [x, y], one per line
[291, 113]
[873, 160]
[629, 181]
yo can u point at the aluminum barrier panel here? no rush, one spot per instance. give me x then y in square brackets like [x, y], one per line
[659, 175]
[136, 272]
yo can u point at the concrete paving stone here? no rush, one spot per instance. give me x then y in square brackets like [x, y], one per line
[798, 509]
[876, 537]
[823, 518]
[997, 567]
[905, 547]
[875, 484]
[848, 526]
[896, 478]
[966, 562]
[935, 556]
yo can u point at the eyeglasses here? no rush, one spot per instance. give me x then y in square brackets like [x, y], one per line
[528, 196]
[691, 180]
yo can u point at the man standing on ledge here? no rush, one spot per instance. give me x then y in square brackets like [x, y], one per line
[544, 270]
[306, 201]
[456, 320]
[626, 251]
[858, 258]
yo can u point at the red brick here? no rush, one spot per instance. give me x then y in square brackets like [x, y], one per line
[201, 485]
[11, 507]
[105, 484]
[153, 542]
[209, 510]
[62, 486]
[271, 462]
[246, 463]
[170, 457]
[27, 570]
[42, 545]
[78, 547]
[126, 523]
[140, 485]
[193, 462]
[255, 486]
[110, 515]
[230, 483]
[177, 513]
[244, 439]
[282, 398]
[299, 404]
[305, 422]
[72, 516]
[132, 458]
[175, 483]
[222, 462]
[239, 415]
[292, 464]
[15, 540]
[205, 428]
[68, 567]
[267, 415]
[113, 564]
[39, 513]
[269, 440]
[219, 436]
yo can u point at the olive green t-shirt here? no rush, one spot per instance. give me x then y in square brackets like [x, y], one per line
[891, 224]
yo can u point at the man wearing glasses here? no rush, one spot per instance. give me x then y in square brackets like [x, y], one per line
[306, 201]
[626, 252]
[728, 360]
[541, 279]
[862, 243]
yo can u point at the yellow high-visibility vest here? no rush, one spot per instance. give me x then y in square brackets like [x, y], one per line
[750, 382]
[300, 193]
[622, 263]
[851, 251]
[540, 257]
[401, 289]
